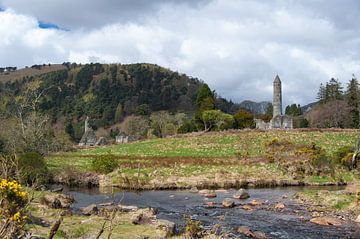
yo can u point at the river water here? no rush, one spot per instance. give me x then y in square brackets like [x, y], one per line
[291, 222]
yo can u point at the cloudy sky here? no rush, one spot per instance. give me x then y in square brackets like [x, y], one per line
[236, 46]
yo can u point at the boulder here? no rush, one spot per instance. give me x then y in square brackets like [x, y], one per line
[167, 226]
[57, 190]
[279, 206]
[245, 230]
[204, 191]
[194, 190]
[58, 200]
[211, 194]
[247, 208]
[252, 234]
[326, 221]
[92, 209]
[241, 194]
[255, 203]
[136, 218]
[228, 203]
[259, 235]
[124, 208]
[357, 219]
[210, 204]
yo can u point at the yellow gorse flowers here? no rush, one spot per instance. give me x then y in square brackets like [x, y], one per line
[18, 218]
[13, 201]
[12, 189]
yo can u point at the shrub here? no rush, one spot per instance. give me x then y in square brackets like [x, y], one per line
[346, 160]
[189, 126]
[320, 162]
[244, 119]
[32, 168]
[193, 228]
[13, 201]
[104, 164]
[340, 156]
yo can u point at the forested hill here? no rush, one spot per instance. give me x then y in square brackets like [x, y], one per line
[106, 92]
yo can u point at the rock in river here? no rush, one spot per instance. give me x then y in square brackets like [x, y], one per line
[208, 193]
[252, 234]
[167, 226]
[357, 219]
[228, 203]
[90, 210]
[58, 200]
[279, 206]
[326, 221]
[241, 194]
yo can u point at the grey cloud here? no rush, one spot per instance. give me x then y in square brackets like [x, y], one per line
[237, 46]
[89, 14]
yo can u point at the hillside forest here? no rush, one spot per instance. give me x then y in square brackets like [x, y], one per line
[143, 100]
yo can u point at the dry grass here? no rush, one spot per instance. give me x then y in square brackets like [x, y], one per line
[29, 72]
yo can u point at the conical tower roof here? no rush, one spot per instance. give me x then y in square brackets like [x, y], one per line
[277, 79]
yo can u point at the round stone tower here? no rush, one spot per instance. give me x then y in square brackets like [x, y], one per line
[277, 101]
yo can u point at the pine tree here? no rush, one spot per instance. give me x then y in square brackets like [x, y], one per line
[321, 96]
[352, 98]
[293, 110]
[205, 100]
[334, 90]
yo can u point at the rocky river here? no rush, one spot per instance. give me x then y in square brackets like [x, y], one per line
[271, 211]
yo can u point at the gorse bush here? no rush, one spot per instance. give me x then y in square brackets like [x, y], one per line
[13, 201]
[104, 164]
[343, 156]
[32, 168]
[193, 228]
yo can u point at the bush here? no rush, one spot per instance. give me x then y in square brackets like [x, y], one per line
[104, 164]
[187, 127]
[193, 228]
[320, 162]
[32, 168]
[13, 201]
[244, 119]
[341, 155]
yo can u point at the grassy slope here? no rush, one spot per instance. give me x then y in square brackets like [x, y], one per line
[203, 155]
[28, 72]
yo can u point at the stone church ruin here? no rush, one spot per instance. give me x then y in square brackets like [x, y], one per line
[278, 121]
[89, 137]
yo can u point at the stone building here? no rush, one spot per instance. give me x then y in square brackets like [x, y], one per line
[123, 138]
[89, 137]
[278, 121]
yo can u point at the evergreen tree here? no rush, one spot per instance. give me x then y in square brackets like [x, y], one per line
[293, 110]
[205, 100]
[352, 99]
[333, 90]
[118, 113]
[321, 96]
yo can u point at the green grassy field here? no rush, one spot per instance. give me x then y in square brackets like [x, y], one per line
[202, 154]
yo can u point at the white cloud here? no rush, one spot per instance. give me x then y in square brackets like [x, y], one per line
[236, 46]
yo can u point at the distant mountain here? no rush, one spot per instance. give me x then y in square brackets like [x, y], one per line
[256, 108]
[308, 107]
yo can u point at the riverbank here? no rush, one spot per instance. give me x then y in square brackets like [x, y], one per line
[91, 221]
[233, 159]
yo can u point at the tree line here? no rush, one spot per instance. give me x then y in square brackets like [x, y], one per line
[337, 106]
